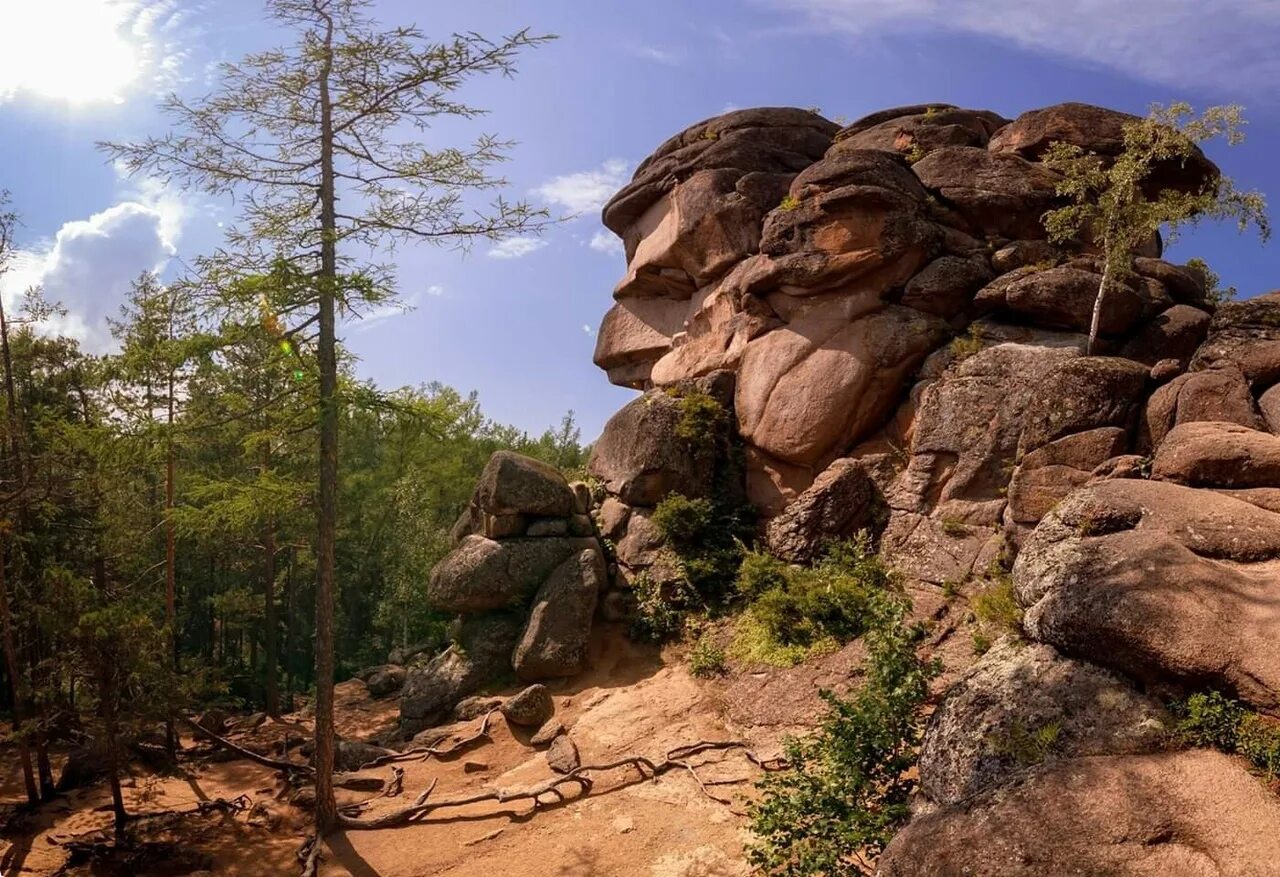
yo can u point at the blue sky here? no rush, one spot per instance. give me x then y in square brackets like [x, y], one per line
[518, 324]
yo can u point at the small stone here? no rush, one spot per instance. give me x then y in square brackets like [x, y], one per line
[624, 824]
[563, 755]
[530, 708]
[547, 733]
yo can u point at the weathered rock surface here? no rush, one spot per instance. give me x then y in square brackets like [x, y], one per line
[385, 680]
[1219, 394]
[641, 457]
[1246, 334]
[1163, 583]
[484, 574]
[1023, 704]
[1209, 454]
[843, 500]
[512, 484]
[554, 641]
[1197, 813]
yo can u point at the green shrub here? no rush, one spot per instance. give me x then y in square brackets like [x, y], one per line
[706, 659]
[684, 522]
[703, 422]
[790, 202]
[954, 528]
[1209, 719]
[754, 644]
[982, 642]
[1258, 739]
[660, 608]
[915, 153]
[798, 606]
[997, 605]
[1213, 719]
[760, 572]
[965, 346]
[846, 789]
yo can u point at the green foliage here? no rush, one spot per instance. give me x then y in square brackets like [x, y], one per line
[1113, 200]
[684, 522]
[997, 605]
[981, 642]
[790, 202]
[703, 421]
[1214, 291]
[1027, 746]
[955, 528]
[846, 788]
[661, 607]
[1210, 719]
[915, 153]
[1213, 719]
[706, 659]
[968, 344]
[798, 608]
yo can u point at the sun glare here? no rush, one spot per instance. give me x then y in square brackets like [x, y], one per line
[79, 51]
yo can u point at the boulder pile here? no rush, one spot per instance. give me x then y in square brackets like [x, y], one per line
[524, 578]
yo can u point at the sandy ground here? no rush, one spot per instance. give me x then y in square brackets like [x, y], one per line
[630, 703]
[633, 701]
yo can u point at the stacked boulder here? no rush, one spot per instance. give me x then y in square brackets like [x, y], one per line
[672, 440]
[524, 578]
[906, 353]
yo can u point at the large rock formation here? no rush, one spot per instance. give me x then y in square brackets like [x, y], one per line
[899, 348]
[884, 293]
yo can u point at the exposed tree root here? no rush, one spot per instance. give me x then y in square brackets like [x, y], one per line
[291, 767]
[422, 753]
[309, 855]
[580, 778]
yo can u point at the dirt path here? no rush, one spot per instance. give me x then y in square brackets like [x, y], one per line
[630, 703]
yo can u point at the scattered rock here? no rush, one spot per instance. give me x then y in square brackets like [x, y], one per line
[562, 756]
[385, 680]
[512, 484]
[531, 708]
[549, 731]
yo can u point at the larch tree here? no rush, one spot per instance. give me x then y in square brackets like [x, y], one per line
[316, 140]
[1121, 202]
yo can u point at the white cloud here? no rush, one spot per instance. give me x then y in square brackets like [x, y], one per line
[587, 329]
[606, 242]
[90, 264]
[435, 289]
[383, 312]
[1225, 46]
[87, 51]
[516, 247]
[658, 55]
[585, 191]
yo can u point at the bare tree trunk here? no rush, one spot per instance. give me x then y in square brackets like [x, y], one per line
[326, 806]
[170, 554]
[288, 631]
[269, 575]
[15, 682]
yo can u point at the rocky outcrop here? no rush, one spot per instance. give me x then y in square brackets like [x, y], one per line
[1185, 813]
[525, 577]
[1025, 704]
[1161, 582]
[898, 348]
